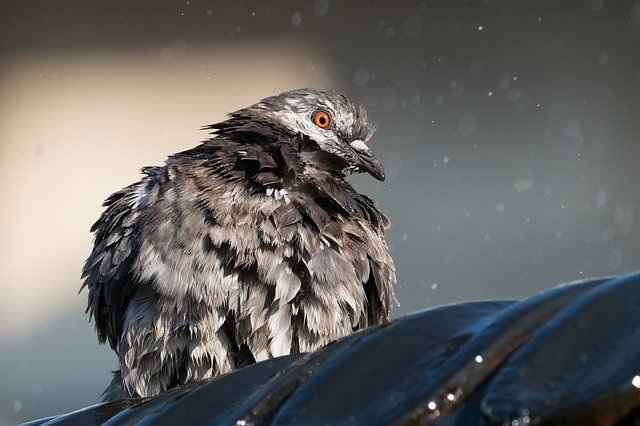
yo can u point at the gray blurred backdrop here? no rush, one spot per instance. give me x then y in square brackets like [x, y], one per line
[509, 131]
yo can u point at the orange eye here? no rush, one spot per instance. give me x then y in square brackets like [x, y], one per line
[321, 119]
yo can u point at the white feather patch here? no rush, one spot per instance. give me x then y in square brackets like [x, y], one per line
[359, 146]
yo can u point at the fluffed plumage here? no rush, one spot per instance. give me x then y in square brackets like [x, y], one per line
[249, 246]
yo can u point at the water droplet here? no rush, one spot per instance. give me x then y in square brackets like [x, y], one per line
[457, 89]
[476, 67]
[603, 58]
[514, 94]
[479, 359]
[601, 199]
[321, 7]
[296, 19]
[362, 76]
[624, 218]
[523, 184]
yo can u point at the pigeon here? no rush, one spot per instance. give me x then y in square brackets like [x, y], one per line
[250, 246]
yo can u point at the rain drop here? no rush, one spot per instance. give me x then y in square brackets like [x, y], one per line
[601, 199]
[603, 58]
[296, 19]
[321, 7]
[523, 184]
[514, 94]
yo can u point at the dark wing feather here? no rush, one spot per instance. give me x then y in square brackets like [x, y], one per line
[376, 269]
[107, 271]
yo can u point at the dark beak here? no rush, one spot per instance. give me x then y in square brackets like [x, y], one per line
[366, 162]
[371, 165]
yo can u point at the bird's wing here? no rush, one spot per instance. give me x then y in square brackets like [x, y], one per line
[380, 282]
[107, 271]
[362, 241]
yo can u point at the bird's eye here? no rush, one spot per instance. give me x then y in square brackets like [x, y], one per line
[321, 119]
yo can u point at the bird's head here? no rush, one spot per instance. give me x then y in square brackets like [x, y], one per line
[334, 129]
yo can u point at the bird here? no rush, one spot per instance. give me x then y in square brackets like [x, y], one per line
[249, 246]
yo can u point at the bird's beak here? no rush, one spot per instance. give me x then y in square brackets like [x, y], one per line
[367, 162]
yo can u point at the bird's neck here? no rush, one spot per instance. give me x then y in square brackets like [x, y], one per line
[321, 164]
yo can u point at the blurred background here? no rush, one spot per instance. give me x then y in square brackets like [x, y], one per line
[509, 131]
